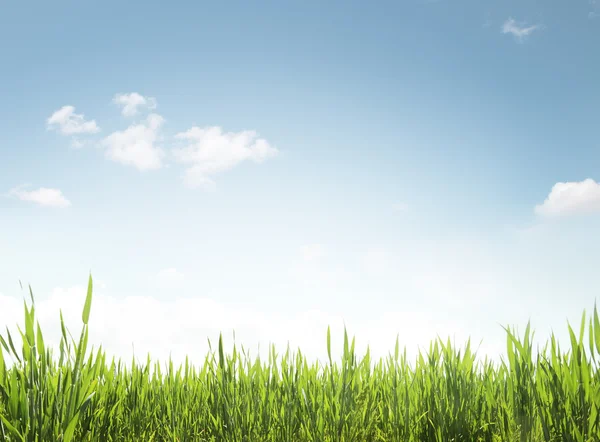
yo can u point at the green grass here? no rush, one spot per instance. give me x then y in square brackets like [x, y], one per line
[445, 395]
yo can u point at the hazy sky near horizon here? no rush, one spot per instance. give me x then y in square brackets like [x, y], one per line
[411, 168]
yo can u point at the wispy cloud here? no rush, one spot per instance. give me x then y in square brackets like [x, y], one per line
[67, 122]
[312, 252]
[43, 196]
[400, 207]
[519, 30]
[136, 145]
[210, 151]
[376, 261]
[570, 198]
[170, 276]
[76, 143]
[133, 102]
[595, 11]
[488, 20]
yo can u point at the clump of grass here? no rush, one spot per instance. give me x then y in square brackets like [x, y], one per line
[445, 396]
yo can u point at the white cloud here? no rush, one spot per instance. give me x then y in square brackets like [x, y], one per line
[136, 145]
[133, 102]
[518, 30]
[312, 252]
[67, 122]
[170, 276]
[180, 326]
[571, 198]
[211, 151]
[43, 196]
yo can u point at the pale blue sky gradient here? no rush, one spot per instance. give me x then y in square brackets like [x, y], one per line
[427, 106]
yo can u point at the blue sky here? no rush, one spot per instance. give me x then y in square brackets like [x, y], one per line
[276, 167]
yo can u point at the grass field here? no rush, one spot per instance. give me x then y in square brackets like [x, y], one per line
[445, 395]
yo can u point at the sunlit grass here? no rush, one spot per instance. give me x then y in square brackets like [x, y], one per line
[445, 395]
